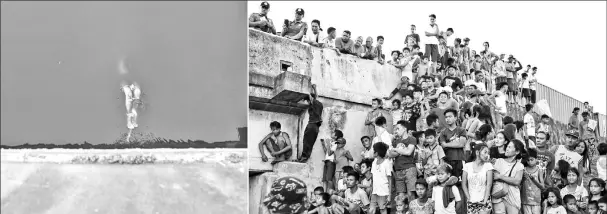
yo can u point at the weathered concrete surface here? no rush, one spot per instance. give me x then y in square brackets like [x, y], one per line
[178, 181]
[95, 188]
[266, 51]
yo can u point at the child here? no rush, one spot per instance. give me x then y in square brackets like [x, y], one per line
[571, 205]
[601, 166]
[437, 153]
[533, 179]
[593, 207]
[559, 174]
[366, 153]
[314, 197]
[597, 189]
[396, 111]
[453, 200]
[579, 192]
[278, 143]
[422, 204]
[401, 204]
[329, 146]
[603, 204]
[382, 175]
[366, 182]
[324, 202]
[553, 204]
[342, 158]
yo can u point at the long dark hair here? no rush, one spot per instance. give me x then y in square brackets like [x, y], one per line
[477, 148]
[585, 157]
[601, 183]
[520, 147]
[483, 132]
[556, 192]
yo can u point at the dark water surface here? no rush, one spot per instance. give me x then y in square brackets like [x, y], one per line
[60, 79]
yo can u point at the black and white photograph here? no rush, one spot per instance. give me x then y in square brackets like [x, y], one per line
[123, 107]
[427, 107]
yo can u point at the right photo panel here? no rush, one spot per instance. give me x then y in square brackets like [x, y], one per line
[427, 107]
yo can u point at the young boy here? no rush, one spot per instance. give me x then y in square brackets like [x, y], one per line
[524, 85]
[381, 170]
[277, 142]
[329, 146]
[529, 121]
[533, 179]
[401, 205]
[593, 207]
[421, 205]
[342, 159]
[452, 203]
[603, 204]
[367, 153]
[314, 197]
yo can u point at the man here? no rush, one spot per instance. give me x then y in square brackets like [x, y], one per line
[382, 133]
[512, 68]
[378, 49]
[532, 84]
[478, 81]
[545, 158]
[567, 152]
[574, 122]
[467, 52]
[358, 49]
[297, 28]
[452, 81]
[278, 143]
[529, 122]
[453, 139]
[376, 112]
[433, 122]
[432, 34]
[403, 152]
[344, 44]
[260, 21]
[329, 41]
[314, 121]
[370, 52]
[588, 128]
[355, 199]
[588, 108]
[447, 35]
[316, 37]
[414, 35]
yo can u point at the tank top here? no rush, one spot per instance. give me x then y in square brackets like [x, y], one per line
[572, 157]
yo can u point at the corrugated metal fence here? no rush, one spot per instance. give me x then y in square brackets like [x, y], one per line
[561, 106]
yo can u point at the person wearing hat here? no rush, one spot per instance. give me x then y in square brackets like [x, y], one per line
[316, 36]
[511, 76]
[260, 21]
[574, 121]
[295, 29]
[567, 152]
[287, 196]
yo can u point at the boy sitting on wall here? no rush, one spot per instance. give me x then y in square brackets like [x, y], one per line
[278, 143]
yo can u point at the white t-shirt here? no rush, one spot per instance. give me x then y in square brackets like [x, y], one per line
[559, 210]
[333, 148]
[601, 167]
[532, 81]
[477, 181]
[500, 101]
[525, 83]
[310, 36]
[530, 124]
[381, 182]
[431, 39]
[579, 193]
[359, 197]
[341, 185]
[572, 157]
[330, 43]
[437, 197]
[479, 85]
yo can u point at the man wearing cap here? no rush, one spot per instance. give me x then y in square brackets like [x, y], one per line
[574, 121]
[260, 21]
[295, 29]
[315, 38]
[567, 152]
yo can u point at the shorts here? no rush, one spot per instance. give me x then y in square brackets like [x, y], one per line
[531, 209]
[457, 166]
[405, 180]
[499, 80]
[431, 52]
[526, 92]
[533, 96]
[378, 201]
[328, 171]
[512, 87]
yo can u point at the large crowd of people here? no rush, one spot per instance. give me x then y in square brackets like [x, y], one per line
[445, 143]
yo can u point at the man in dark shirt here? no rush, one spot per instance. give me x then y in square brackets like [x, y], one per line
[314, 122]
[404, 160]
[344, 44]
[297, 28]
[260, 21]
[414, 35]
[453, 140]
[545, 158]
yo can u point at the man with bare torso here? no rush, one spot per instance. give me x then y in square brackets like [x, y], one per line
[278, 143]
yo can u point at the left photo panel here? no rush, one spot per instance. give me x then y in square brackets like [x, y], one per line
[124, 107]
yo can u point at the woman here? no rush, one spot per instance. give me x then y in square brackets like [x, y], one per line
[584, 165]
[477, 179]
[497, 147]
[509, 171]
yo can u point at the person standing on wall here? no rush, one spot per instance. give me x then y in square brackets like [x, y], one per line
[314, 121]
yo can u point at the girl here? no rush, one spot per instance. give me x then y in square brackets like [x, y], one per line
[533, 179]
[498, 146]
[477, 180]
[509, 170]
[553, 204]
[572, 188]
[597, 189]
[422, 204]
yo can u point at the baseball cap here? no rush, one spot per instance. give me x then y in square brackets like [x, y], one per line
[299, 11]
[265, 5]
[573, 133]
[575, 109]
[288, 195]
